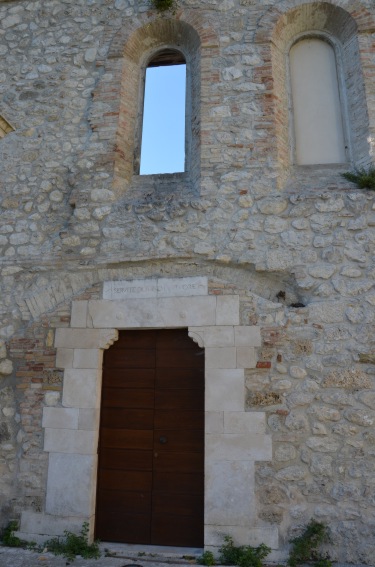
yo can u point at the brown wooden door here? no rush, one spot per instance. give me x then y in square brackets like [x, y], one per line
[151, 464]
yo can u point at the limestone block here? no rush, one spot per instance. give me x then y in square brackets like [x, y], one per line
[85, 338]
[71, 485]
[87, 358]
[244, 422]
[155, 287]
[328, 311]
[46, 524]
[246, 357]
[224, 357]
[70, 441]
[60, 418]
[51, 398]
[247, 336]
[214, 421]
[6, 367]
[347, 378]
[3, 350]
[89, 419]
[216, 336]
[81, 388]
[238, 447]
[225, 390]
[228, 310]
[79, 314]
[231, 502]
[213, 536]
[64, 358]
[153, 312]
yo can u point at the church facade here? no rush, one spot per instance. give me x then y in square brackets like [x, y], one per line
[202, 338]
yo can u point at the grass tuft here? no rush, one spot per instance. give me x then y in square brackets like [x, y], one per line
[363, 178]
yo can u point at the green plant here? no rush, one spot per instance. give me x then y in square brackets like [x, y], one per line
[305, 547]
[244, 555]
[207, 558]
[10, 540]
[364, 179]
[73, 544]
[164, 5]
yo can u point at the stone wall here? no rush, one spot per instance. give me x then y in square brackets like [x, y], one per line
[73, 216]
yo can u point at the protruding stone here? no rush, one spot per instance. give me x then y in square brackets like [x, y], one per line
[6, 367]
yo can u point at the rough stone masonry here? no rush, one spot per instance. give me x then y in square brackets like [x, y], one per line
[295, 243]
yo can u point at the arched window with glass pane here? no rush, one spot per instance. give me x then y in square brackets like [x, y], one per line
[317, 108]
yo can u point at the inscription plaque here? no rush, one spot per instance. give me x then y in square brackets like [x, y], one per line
[159, 287]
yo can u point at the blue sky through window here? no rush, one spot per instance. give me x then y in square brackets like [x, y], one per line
[163, 133]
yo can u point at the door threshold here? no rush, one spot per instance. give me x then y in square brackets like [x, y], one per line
[155, 553]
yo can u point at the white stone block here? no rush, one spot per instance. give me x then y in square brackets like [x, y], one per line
[225, 390]
[214, 535]
[60, 418]
[155, 287]
[224, 357]
[246, 357]
[227, 310]
[79, 314]
[247, 336]
[46, 524]
[64, 358]
[214, 422]
[244, 422]
[89, 419]
[229, 493]
[87, 358]
[85, 338]
[70, 441]
[71, 485]
[238, 447]
[219, 336]
[156, 313]
[82, 388]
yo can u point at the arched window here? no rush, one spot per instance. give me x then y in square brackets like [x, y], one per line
[317, 112]
[164, 114]
[333, 31]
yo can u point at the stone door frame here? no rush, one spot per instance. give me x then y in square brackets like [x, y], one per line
[234, 439]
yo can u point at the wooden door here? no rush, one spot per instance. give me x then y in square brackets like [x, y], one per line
[151, 463]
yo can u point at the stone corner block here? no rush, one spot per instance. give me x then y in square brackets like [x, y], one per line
[79, 314]
[60, 418]
[87, 358]
[85, 338]
[64, 358]
[220, 357]
[35, 525]
[247, 336]
[246, 357]
[227, 310]
[70, 441]
[81, 388]
[242, 535]
[71, 485]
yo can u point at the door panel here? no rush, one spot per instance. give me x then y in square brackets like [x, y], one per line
[151, 464]
[126, 460]
[180, 419]
[117, 418]
[128, 398]
[127, 439]
[180, 378]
